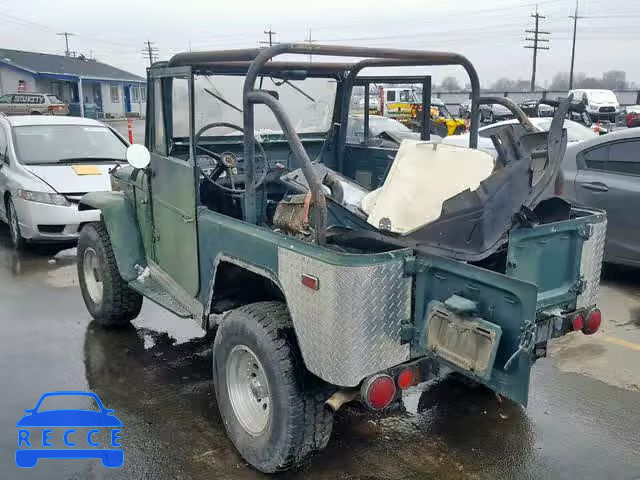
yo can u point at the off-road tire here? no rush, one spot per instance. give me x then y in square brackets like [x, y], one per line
[120, 304]
[300, 423]
[19, 243]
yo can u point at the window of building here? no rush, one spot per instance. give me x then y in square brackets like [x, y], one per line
[115, 93]
[135, 93]
[57, 89]
[143, 93]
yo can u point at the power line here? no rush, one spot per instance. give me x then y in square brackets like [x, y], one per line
[67, 53]
[537, 39]
[150, 52]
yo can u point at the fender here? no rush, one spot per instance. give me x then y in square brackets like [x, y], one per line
[119, 217]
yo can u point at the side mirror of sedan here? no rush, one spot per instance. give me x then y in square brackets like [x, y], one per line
[138, 156]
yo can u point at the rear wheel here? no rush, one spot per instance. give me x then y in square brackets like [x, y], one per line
[14, 226]
[272, 408]
[110, 301]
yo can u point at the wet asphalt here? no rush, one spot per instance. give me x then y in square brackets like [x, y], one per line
[157, 376]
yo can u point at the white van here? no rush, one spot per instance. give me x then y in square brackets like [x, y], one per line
[600, 104]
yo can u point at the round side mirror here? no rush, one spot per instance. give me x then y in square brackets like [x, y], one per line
[138, 156]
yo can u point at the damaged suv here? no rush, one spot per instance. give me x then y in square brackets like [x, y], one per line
[332, 272]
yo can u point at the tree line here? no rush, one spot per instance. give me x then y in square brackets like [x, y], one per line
[611, 80]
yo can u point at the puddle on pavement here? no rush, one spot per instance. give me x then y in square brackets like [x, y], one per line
[55, 263]
[163, 389]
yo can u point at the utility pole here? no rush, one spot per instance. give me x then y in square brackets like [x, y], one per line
[150, 52]
[536, 45]
[66, 35]
[270, 33]
[573, 48]
[310, 42]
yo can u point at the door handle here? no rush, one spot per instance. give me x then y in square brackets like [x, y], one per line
[595, 186]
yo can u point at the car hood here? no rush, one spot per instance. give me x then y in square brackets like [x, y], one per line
[79, 178]
[69, 418]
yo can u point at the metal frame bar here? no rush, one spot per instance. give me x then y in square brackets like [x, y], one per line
[378, 57]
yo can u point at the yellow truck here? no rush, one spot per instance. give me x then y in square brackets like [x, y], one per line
[403, 105]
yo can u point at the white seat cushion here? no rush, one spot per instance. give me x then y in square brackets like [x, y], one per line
[422, 177]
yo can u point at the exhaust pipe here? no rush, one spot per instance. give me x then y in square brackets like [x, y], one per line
[341, 397]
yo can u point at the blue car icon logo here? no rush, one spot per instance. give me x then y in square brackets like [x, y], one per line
[36, 433]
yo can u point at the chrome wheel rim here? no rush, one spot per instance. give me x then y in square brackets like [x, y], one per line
[92, 275]
[248, 390]
[15, 229]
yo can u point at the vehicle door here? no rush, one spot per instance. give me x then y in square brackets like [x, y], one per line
[173, 182]
[4, 169]
[608, 177]
[19, 105]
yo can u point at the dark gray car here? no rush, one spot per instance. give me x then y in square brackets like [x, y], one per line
[605, 173]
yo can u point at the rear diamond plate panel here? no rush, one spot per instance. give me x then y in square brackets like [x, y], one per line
[350, 327]
[591, 264]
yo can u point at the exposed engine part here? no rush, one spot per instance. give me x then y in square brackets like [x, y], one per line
[292, 214]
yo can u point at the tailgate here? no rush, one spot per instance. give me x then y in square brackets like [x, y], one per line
[563, 259]
[475, 322]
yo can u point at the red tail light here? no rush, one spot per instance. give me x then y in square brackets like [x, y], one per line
[578, 323]
[592, 325]
[405, 379]
[378, 391]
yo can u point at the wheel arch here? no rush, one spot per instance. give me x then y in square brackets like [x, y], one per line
[118, 215]
[235, 283]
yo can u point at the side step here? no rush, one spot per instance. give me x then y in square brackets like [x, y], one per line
[151, 288]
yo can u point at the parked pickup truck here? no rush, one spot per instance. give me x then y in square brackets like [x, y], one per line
[350, 277]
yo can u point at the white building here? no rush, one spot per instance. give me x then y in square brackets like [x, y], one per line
[75, 80]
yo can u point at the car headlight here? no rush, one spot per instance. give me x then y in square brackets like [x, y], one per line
[44, 197]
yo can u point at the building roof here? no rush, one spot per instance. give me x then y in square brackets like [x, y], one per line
[27, 120]
[44, 64]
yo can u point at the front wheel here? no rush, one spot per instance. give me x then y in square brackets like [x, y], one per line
[273, 410]
[14, 226]
[110, 301]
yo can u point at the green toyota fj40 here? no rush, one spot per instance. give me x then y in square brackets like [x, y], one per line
[332, 271]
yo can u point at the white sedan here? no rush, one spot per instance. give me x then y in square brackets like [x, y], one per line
[575, 133]
[46, 164]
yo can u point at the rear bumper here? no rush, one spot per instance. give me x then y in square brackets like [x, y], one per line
[32, 216]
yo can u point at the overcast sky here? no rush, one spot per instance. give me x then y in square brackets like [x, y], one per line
[490, 33]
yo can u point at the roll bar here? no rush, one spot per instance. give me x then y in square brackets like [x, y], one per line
[258, 62]
[376, 57]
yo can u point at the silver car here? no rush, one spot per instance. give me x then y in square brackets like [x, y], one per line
[46, 164]
[604, 172]
[32, 104]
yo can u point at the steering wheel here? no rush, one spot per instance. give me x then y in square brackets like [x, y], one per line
[227, 162]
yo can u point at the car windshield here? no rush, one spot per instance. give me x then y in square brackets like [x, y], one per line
[218, 98]
[441, 110]
[54, 99]
[68, 402]
[53, 144]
